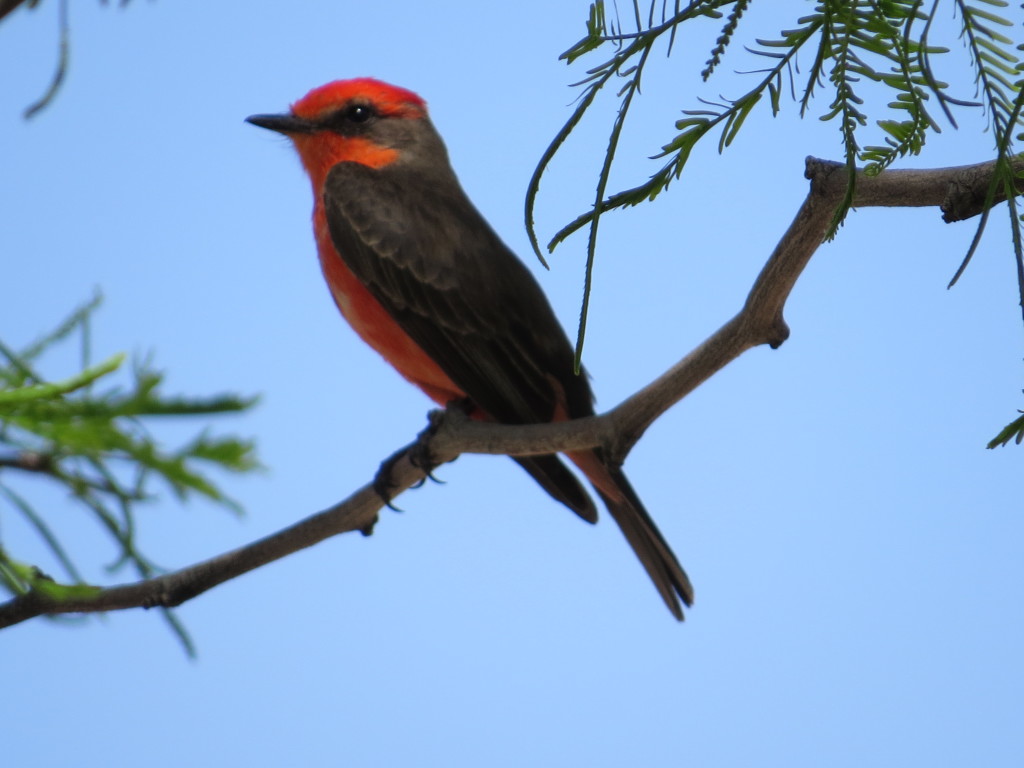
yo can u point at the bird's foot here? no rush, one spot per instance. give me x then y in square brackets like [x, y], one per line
[419, 453]
[383, 485]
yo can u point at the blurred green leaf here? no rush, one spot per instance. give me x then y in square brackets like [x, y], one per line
[1013, 431]
[94, 437]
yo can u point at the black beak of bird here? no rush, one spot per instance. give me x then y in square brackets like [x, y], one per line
[286, 124]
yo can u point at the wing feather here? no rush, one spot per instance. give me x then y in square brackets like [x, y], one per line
[438, 268]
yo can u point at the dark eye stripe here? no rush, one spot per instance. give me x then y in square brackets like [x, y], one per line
[350, 119]
[358, 113]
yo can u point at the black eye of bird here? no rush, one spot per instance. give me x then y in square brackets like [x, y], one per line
[358, 113]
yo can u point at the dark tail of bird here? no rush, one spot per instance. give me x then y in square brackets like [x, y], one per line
[626, 509]
[647, 542]
[555, 478]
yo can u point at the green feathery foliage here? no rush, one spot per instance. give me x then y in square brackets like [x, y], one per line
[886, 47]
[96, 444]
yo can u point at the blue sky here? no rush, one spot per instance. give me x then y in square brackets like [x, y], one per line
[855, 550]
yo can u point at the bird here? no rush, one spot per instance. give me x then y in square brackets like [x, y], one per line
[425, 281]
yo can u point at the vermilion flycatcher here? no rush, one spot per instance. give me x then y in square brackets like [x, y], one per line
[425, 281]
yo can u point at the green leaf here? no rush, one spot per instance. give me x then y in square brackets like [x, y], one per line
[96, 446]
[1012, 431]
[23, 395]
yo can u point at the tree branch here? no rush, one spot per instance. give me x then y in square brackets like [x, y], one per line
[29, 461]
[760, 321]
[6, 6]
